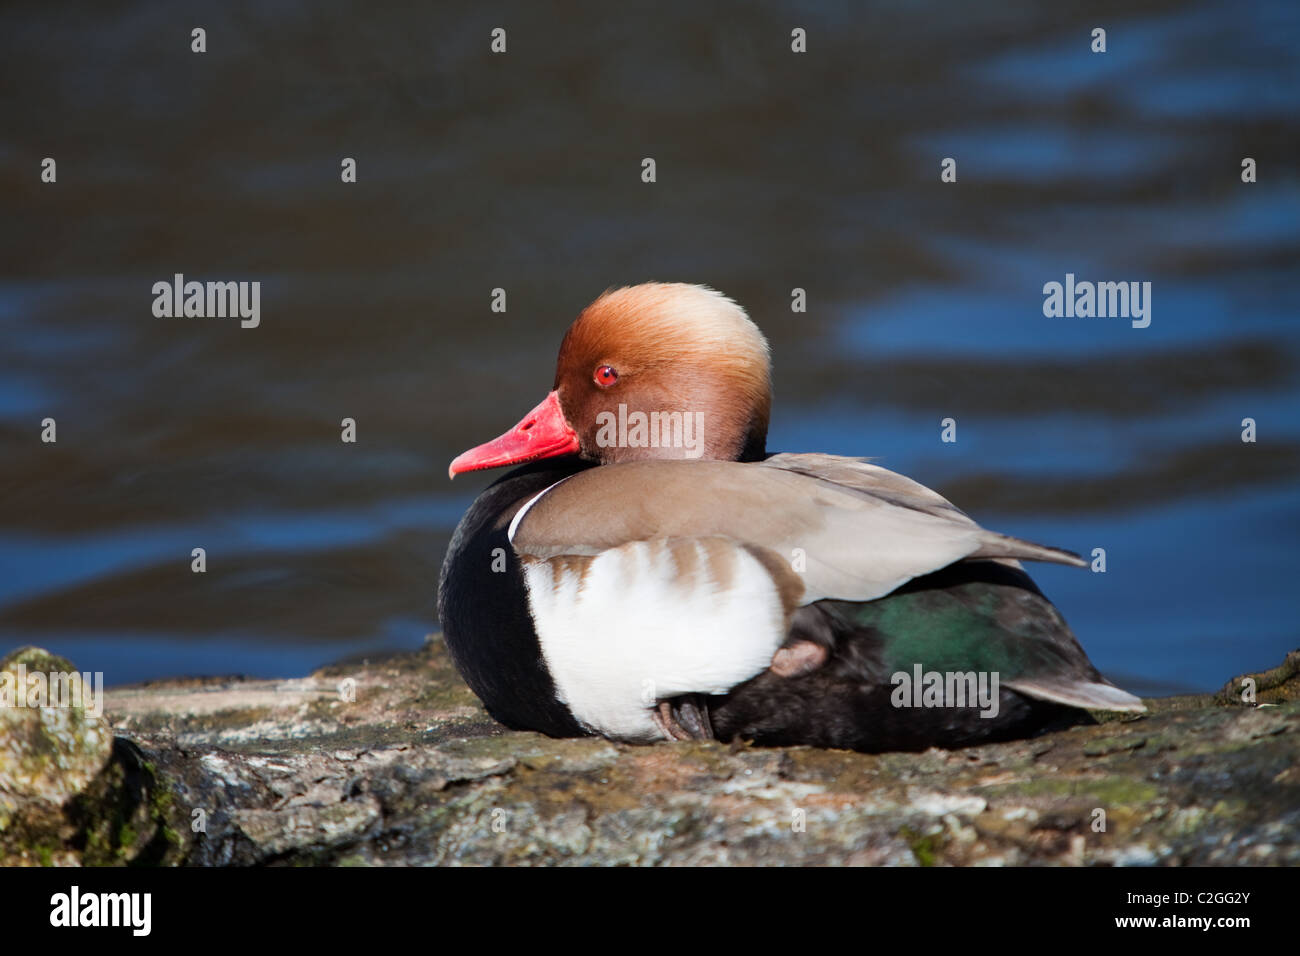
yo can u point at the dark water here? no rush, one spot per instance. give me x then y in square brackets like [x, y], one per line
[522, 171]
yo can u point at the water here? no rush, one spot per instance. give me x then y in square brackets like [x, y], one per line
[523, 172]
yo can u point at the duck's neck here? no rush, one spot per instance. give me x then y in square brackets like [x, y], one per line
[755, 447]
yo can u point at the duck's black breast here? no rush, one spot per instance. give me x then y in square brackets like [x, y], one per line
[483, 607]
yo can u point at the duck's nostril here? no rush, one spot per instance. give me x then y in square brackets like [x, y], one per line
[525, 426]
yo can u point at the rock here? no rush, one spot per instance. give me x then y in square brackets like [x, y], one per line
[48, 754]
[393, 761]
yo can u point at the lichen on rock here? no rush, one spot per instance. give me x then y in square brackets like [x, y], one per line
[50, 751]
[393, 761]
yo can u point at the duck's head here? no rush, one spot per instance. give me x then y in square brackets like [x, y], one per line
[648, 371]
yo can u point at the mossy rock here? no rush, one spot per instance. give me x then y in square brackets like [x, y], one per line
[51, 749]
[413, 771]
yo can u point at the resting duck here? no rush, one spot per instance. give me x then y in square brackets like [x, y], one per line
[652, 573]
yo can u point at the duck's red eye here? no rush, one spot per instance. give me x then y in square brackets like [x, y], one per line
[606, 376]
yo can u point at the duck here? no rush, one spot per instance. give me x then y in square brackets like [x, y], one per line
[648, 571]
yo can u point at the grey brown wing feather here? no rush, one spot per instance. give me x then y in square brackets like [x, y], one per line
[856, 531]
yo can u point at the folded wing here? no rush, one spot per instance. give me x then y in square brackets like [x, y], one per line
[652, 579]
[849, 529]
